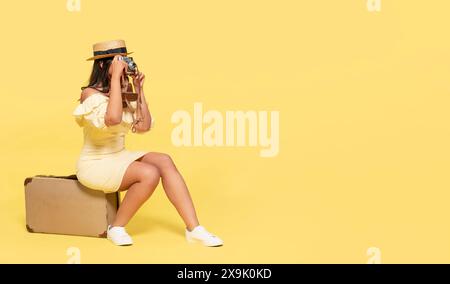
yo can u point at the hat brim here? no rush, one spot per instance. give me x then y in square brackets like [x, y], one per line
[107, 55]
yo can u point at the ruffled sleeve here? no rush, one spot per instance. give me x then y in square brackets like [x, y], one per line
[92, 111]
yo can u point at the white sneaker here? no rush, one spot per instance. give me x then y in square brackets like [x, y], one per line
[119, 236]
[200, 234]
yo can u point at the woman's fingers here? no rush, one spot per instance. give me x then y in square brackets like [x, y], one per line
[117, 65]
[138, 79]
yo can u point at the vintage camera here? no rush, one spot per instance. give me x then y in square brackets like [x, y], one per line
[132, 67]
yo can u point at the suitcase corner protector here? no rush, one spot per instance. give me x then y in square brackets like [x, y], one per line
[29, 229]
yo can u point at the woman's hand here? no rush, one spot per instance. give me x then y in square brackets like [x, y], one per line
[138, 81]
[118, 67]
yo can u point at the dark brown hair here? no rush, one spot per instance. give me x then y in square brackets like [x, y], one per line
[99, 78]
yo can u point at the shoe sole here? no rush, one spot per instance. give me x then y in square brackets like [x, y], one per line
[121, 245]
[194, 241]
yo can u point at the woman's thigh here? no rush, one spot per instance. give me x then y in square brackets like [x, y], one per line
[139, 172]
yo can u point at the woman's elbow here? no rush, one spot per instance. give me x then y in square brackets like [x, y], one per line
[111, 120]
[141, 129]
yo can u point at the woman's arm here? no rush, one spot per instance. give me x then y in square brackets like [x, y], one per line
[114, 110]
[144, 125]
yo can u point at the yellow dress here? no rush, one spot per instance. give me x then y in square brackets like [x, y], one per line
[103, 159]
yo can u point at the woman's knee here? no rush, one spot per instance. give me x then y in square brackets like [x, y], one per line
[166, 160]
[150, 175]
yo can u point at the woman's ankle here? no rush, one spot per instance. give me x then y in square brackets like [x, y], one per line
[192, 227]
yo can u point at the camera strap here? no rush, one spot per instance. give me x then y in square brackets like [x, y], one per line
[137, 113]
[138, 117]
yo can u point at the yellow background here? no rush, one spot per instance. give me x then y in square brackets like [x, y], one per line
[364, 133]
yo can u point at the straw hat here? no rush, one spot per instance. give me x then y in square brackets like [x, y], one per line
[109, 48]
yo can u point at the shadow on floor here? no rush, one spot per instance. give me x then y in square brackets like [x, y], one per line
[145, 224]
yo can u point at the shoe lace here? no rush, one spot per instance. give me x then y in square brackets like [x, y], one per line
[209, 234]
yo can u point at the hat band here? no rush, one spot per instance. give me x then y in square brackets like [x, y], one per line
[111, 51]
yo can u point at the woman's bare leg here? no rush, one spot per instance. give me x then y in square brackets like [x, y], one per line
[140, 181]
[174, 187]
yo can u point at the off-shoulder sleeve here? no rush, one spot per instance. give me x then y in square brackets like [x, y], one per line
[92, 111]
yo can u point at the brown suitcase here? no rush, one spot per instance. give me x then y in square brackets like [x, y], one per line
[62, 205]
